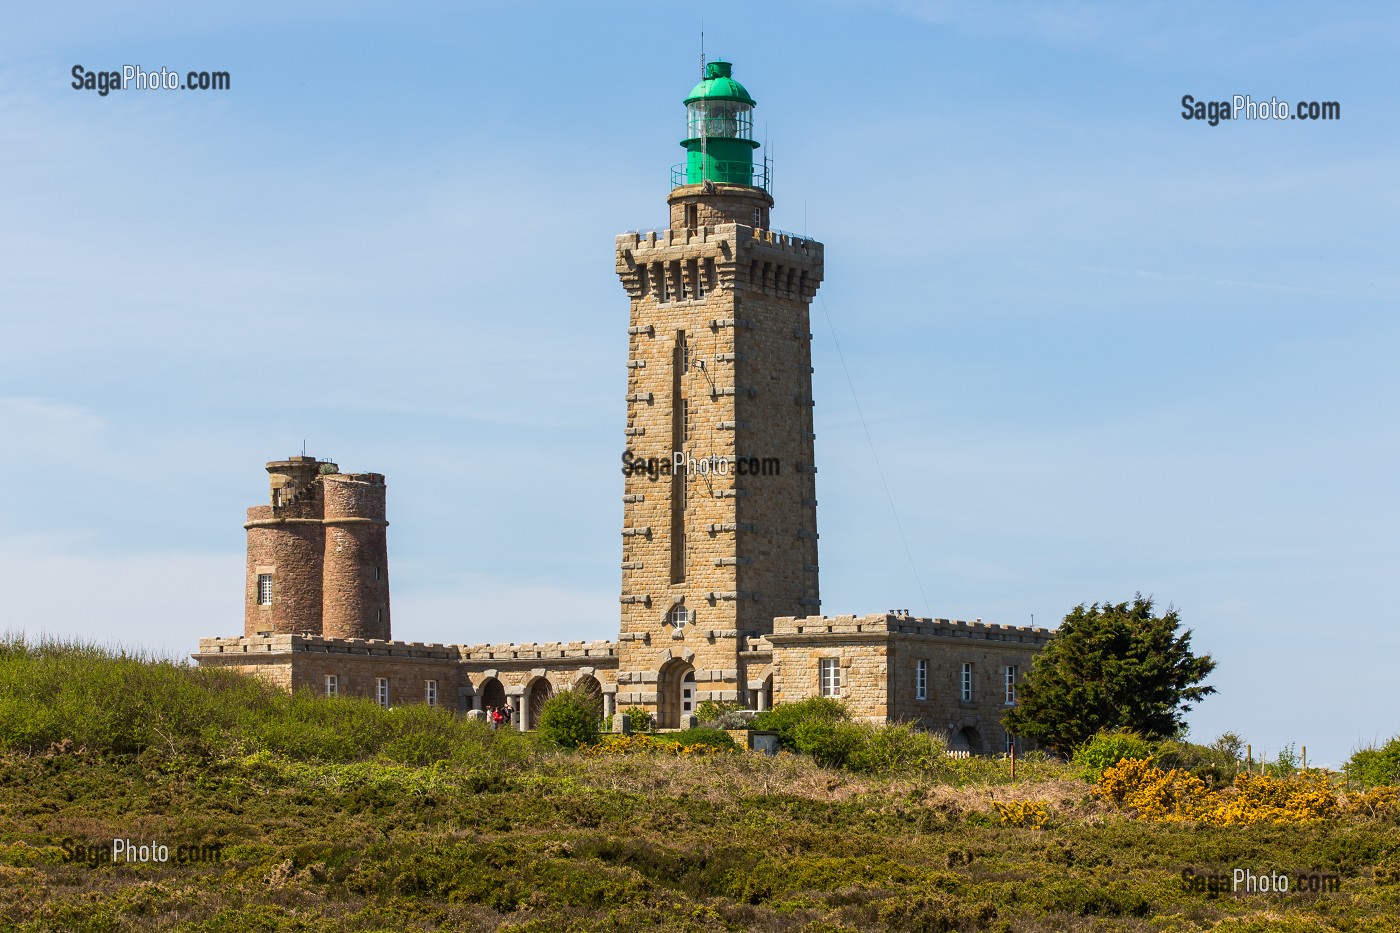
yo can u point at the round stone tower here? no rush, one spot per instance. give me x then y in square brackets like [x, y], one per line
[356, 582]
[286, 541]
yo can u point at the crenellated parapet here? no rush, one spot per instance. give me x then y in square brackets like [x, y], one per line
[786, 627]
[688, 264]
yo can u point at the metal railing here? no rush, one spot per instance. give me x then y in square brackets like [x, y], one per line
[726, 172]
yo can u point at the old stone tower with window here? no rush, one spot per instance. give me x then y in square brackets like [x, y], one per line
[719, 564]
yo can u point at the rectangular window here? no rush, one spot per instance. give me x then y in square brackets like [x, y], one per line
[691, 216]
[381, 691]
[921, 680]
[663, 289]
[264, 589]
[332, 685]
[697, 281]
[430, 692]
[830, 670]
[1010, 685]
[685, 420]
[1010, 745]
[679, 279]
[378, 615]
[967, 682]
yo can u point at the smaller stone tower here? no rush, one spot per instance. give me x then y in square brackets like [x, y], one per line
[318, 554]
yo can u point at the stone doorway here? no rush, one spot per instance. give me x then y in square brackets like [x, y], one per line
[538, 692]
[675, 694]
[493, 695]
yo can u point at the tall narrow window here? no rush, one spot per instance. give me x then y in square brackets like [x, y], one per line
[967, 682]
[642, 279]
[430, 692]
[332, 685]
[697, 284]
[921, 679]
[830, 672]
[378, 615]
[264, 589]
[691, 216]
[679, 279]
[381, 691]
[663, 291]
[685, 420]
[680, 362]
[1010, 685]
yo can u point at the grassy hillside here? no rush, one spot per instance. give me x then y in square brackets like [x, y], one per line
[337, 815]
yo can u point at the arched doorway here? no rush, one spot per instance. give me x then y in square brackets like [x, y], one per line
[675, 693]
[966, 739]
[588, 686]
[538, 692]
[493, 695]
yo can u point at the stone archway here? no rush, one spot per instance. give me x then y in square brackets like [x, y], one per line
[493, 695]
[588, 686]
[536, 694]
[675, 679]
[966, 739]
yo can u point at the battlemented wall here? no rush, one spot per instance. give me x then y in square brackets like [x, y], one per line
[879, 657]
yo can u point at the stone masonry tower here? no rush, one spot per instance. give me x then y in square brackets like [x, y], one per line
[719, 529]
[317, 554]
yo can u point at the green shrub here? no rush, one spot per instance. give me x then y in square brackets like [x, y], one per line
[569, 719]
[710, 712]
[829, 743]
[785, 717]
[1216, 764]
[638, 718]
[1372, 766]
[1107, 749]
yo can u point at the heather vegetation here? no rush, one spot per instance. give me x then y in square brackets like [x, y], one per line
[338, 815]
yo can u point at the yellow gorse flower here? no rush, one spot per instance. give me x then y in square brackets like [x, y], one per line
[1170, 796]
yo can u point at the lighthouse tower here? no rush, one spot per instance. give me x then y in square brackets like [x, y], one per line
[719, 528]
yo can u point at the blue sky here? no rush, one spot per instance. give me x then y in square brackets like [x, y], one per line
[1100, 349]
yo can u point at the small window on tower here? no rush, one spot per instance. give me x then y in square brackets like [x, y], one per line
[691, 216]
[758, 217]
[264, 589]
[679, 616]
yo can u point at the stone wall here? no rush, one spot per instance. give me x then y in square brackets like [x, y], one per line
[879, 657]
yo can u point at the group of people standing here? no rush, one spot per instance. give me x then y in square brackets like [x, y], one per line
[499, 716]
